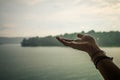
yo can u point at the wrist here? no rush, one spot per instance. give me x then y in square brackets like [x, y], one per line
[98, 57]
[97, 52]
[94, 49]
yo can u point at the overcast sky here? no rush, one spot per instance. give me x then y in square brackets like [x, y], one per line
[52, 17]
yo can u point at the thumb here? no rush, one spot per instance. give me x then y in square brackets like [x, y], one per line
[80, 35]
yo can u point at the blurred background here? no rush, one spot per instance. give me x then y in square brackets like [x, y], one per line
[29, 50]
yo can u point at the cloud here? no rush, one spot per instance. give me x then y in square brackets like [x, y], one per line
[22, 2]
[31, 2]
[70, 14]
[7, 29]
[7, 26]
[112, 1]
[42, 17]
[8, 33]
[99, 3]
[2, 28]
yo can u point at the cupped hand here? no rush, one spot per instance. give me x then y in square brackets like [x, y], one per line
[85, 43]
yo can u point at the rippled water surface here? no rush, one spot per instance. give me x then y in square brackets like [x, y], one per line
[49, 63]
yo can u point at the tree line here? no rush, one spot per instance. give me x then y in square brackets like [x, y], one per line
[111, 38]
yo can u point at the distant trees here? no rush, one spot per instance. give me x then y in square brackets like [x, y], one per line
[108, 38]
[36, 41]
[102, 38]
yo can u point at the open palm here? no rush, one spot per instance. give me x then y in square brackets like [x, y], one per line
[85, 43]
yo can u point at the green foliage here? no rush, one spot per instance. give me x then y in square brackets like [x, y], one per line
[36, 41]
[102, 38]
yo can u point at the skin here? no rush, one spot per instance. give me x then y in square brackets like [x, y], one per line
[85, 43]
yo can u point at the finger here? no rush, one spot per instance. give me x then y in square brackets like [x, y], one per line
[79, 46]
[78, 40]
[80, 35]
[57, 37]
[64, 39]
[67, 40]
[66, 43]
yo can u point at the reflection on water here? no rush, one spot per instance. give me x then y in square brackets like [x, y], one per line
[49, 63]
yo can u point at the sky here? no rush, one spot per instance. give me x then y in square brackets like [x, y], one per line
[25, 18]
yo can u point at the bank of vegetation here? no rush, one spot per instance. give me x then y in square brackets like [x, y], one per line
[111, 38]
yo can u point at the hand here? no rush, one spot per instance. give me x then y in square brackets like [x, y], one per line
[85, 43]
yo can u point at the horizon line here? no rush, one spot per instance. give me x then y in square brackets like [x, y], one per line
[56, 34]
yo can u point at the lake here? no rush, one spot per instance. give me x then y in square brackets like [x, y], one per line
[49, 63]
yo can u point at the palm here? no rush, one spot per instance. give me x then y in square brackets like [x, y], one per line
[85, 43]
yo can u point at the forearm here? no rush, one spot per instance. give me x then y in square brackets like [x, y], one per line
[107, 68]
[103, 63]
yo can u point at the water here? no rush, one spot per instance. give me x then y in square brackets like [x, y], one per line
[49, 63]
